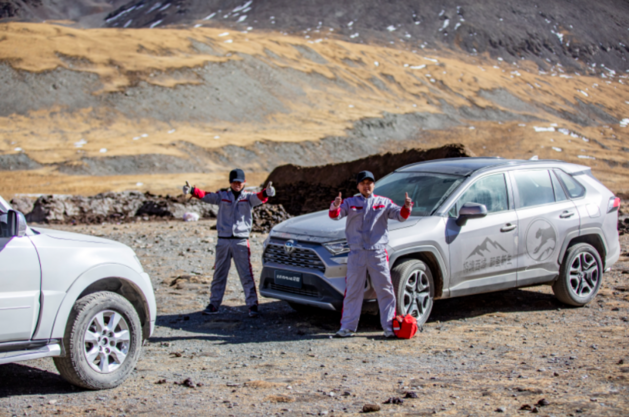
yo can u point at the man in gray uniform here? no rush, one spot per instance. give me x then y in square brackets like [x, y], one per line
[233, 226]
[367, 234]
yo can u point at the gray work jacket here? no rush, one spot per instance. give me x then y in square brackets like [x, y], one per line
[367, 224]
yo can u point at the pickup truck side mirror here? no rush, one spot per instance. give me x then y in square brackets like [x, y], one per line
[16, 223]
[471, 211]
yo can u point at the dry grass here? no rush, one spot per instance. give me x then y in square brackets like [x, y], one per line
[263, 384]
[279, 399]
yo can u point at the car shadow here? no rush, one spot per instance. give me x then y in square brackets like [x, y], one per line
[510, 301]
[279, 322]
[17, 379]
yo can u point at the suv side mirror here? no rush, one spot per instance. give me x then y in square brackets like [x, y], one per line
[471, 211]
[16, 223]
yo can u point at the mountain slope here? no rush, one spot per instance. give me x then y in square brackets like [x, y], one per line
[574, 33]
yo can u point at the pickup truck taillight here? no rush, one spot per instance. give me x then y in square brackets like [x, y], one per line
[613, 205]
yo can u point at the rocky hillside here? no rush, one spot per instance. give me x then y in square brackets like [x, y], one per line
[573, 33]
[183, 95]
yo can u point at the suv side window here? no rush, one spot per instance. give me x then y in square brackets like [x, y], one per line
[575, 190]
[534, 188]
[4, 227]
[490, 191]
[560, 194]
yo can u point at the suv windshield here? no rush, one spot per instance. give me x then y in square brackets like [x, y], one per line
[427, 190]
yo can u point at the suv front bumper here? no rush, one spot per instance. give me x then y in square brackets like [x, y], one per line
[315, 291]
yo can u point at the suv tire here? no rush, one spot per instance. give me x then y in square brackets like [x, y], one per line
[414, 289]
[97, 356]
[580, 275]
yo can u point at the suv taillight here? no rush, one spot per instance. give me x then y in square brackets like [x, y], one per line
[613, 205]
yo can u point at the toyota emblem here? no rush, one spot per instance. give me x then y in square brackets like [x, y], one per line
[289, 247]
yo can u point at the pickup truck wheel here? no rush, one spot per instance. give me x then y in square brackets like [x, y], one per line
[414, 289]
[103, 341]
[580, 275]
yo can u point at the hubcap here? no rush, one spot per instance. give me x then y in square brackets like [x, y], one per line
[417, 300]
[584, 275]
[107, 341]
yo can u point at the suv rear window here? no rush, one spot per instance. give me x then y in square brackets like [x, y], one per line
[574, 189]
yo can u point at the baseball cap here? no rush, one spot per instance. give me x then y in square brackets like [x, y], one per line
[364, 175]
[237, 175]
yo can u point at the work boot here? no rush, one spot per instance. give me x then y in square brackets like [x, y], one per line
[344, 333]
[210, 309]
[253, 311]
[388, 334]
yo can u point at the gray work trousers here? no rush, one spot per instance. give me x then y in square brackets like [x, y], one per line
[226, 249]
[377, 263]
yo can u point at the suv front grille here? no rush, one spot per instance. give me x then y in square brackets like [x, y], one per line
[300, 257]
[298, 291]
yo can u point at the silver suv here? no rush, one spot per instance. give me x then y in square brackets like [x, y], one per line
[478, 225]
[83, 300]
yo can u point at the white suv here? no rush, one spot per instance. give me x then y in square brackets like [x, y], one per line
[83, 300]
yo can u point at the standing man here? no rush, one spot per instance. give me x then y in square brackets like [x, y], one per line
[233, 226]
[367, 235]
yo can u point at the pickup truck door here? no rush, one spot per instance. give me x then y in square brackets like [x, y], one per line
[20, 286]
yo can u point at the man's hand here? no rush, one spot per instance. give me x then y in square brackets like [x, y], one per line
[338, 201]
[187, 189]
[270, 191]
[408, 203]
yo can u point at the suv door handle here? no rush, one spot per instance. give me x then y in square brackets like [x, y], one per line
[508, 227]
[566, 214]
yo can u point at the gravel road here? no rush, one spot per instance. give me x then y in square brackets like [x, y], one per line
[513, 352]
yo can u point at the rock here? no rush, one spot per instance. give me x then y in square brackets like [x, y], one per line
[394, 400]
[526, 407]
[543, 402]
[411, 394]
[160, 382]
[501, 410]
[371, 408]
[187, 383]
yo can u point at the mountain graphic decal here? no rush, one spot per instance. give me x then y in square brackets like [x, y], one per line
[487, 247]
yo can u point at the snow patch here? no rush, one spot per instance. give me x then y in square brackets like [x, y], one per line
[418, 67]
[242, 19]
[391, 28]
[557, 149]
[155, 24]
[208, 17]
[543, 129]
[103, 150]
[155, 6]
[624, 122]
[585, 157]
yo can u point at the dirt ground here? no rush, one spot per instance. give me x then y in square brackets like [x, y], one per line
[506, 352]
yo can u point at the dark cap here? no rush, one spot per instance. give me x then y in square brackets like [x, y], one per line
[364, 175]
[237, 175]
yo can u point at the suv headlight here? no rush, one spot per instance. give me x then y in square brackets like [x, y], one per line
[337, 248]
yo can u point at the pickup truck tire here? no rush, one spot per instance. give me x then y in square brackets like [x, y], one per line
[414, 289]
[580, 275]
[103, 341]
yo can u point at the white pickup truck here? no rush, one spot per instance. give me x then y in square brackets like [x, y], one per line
[83, 300]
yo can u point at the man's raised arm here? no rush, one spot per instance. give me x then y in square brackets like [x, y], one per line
[338, 209]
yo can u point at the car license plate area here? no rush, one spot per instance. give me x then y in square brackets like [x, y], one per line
[289, 279]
